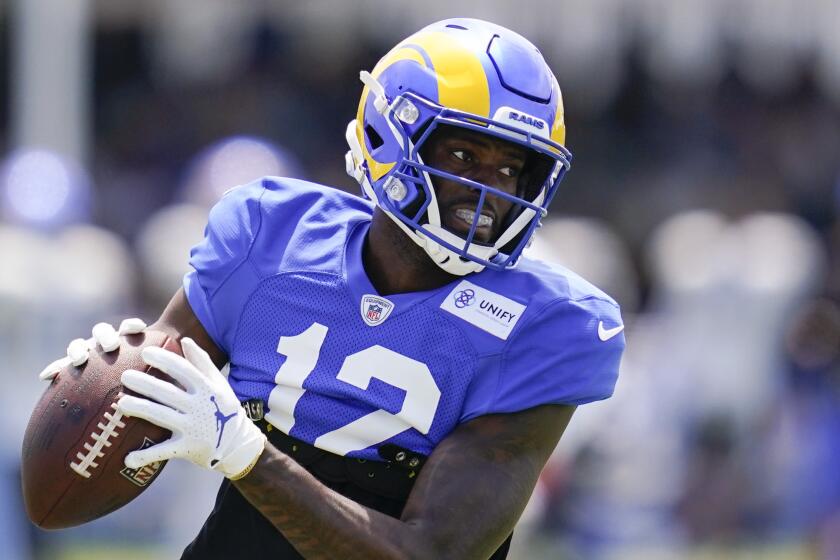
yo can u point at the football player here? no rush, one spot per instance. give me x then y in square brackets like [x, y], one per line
[399, 373]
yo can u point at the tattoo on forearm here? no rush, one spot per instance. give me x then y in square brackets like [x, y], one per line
[481, 477]
[318, 522]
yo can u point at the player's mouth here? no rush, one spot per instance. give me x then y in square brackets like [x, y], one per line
[462, 219]
[468, 216]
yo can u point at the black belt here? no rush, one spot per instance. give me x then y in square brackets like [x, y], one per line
[392, 477]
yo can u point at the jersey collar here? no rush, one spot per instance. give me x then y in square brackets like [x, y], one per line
[357, 279]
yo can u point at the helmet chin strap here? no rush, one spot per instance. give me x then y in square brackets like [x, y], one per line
[354, 158]
[445, 258]
[449, 260]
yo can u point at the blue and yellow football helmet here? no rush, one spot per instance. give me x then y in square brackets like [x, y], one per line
[465, 73]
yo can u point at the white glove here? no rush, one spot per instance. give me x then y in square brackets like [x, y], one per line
[209, 426]
[79, 349]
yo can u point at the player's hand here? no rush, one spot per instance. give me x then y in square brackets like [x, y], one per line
[104, 335]
[209, 426]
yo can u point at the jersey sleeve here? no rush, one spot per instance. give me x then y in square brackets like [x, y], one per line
[568, 354]
[217, 286]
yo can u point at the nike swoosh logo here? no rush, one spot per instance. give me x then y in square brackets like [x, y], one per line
[606, 334]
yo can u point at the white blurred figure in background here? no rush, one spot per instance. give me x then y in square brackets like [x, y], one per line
[163, 250]
[724, 290]
[721, 294]
[59, 272]
[59, 275]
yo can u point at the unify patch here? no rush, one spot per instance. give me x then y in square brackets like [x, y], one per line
[486, 310]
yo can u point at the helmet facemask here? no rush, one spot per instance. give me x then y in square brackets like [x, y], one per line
[407, 194]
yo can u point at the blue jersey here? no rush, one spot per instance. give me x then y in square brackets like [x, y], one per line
[279, 285]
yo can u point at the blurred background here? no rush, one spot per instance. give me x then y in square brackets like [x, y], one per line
[704, 196]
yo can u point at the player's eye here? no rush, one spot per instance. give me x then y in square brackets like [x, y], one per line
[461, 155]
[510, 171]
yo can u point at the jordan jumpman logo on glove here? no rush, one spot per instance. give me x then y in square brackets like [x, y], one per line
[221, 420]
[193, 414]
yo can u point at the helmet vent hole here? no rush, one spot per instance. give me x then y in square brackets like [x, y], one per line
[454, 26]
[373, 137]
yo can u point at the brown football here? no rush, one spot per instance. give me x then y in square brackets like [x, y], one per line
[74, 449]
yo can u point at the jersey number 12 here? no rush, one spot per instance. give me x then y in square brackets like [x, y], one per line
[422, 394]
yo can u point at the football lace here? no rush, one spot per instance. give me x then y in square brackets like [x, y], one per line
[101, 439]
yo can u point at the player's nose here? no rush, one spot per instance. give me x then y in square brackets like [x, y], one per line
[484, 173]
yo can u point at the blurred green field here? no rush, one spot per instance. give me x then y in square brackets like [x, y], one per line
[540, 550]
[82, 552]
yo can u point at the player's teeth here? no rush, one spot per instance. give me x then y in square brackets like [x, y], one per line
[468, 216]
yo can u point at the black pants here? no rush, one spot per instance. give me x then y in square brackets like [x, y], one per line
[235, 529]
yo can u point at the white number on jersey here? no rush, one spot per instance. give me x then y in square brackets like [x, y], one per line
[422, 394]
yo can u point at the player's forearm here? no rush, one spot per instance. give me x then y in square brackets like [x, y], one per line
[321, 523]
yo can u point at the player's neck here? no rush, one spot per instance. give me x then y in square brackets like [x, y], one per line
[395, 264]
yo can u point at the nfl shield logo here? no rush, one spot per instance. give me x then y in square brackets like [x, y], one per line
[144, 475]
[375, 309]
[374, 312]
